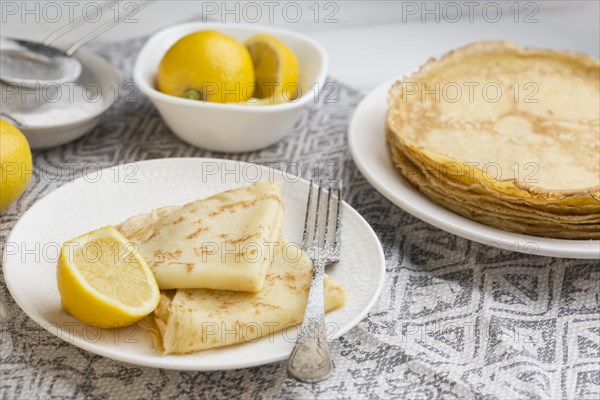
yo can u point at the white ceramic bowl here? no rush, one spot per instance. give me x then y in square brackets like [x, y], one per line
[230, 127]
[98, 76]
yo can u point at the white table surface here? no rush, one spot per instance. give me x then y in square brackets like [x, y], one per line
[371, 40]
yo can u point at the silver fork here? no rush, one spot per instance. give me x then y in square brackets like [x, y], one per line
[310, 360]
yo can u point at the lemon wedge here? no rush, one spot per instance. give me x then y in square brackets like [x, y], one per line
[103, 281]
[276, 70]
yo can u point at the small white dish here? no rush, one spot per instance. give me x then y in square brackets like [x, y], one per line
[230, 127]
[370, 153]
[98, 84]
[120, 192]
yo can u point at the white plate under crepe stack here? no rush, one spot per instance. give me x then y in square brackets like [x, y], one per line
[506, 136]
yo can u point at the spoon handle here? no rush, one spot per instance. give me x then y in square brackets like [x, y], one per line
[105, 27]
[71, 26]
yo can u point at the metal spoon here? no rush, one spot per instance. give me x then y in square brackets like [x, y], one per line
[26, 63]
[32, 64]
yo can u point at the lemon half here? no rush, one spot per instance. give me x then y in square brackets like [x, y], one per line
[103, 281]
[276, 70]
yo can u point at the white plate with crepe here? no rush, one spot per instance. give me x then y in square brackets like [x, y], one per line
[372, 157]
[115, 194]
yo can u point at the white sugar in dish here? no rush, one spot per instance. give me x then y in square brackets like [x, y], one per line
[66, 109]
[52, 105]
[56, 114]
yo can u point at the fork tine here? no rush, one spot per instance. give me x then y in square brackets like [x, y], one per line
[338, 223]
[327, 241]
[306, 233]
[316, 240]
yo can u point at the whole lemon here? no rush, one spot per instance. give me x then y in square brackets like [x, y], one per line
[15, 164]
[208, 66]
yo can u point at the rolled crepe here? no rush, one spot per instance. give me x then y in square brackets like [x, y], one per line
[221, 242]
[189, 320]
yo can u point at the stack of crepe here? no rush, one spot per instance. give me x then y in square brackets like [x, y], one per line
[503, 135]
[226, 275]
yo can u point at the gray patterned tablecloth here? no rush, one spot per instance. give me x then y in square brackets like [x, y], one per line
[456, 319]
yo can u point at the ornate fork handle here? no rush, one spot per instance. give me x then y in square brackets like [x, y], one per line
[310, 360]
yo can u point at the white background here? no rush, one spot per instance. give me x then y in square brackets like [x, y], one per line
[370, 42]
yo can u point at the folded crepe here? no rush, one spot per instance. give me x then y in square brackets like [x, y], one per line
[189, 320]
[222, 242]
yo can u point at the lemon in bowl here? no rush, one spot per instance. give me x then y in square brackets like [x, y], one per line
[276, 69]
[208, 66]
[15, 164]
[233, 127]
